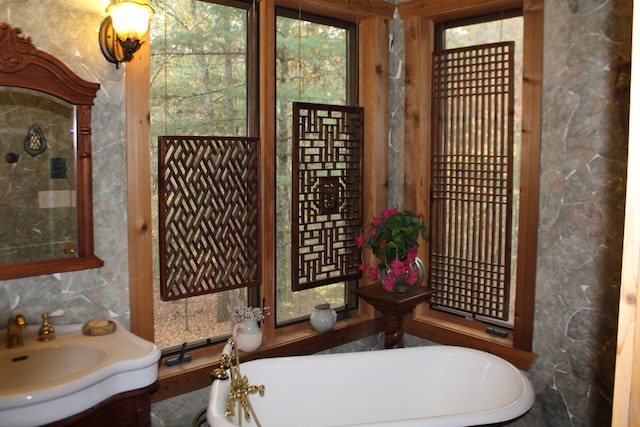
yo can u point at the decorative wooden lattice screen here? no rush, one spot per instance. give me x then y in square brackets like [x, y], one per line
[208, 214]
[327, 194]
[472, 162]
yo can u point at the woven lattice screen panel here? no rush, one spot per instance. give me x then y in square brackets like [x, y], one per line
[208, 218]
[327, 194]
[471, 184]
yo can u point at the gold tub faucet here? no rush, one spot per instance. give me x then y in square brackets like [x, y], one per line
[15, 327]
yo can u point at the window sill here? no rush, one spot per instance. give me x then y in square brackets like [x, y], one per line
[296, 341]
[445, 332]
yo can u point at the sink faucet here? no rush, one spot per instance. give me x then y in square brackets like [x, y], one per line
[14, 331]
[46, 332]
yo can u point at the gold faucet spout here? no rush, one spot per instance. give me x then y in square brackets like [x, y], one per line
[15, 327]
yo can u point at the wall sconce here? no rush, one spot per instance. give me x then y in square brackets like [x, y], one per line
[122, 29]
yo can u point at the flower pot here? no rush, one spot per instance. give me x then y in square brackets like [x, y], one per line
[410, 277]
[247, 334]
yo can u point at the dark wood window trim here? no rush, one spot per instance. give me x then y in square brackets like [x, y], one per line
[443, 328]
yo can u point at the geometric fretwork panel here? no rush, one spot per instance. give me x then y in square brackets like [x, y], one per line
[208, 214]
[327, 194]
[472, 179]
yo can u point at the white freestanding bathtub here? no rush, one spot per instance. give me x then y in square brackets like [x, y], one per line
[420, 386]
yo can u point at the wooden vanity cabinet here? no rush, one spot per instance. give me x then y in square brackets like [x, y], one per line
[128, 409]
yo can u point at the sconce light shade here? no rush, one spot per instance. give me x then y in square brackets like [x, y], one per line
[122, 29]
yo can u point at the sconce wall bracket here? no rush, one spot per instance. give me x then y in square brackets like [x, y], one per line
[114, 49]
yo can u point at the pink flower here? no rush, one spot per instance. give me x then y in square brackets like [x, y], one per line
[383, 244]
[362, 267]
[398, 268]
[413, 276]
[388, 283]
[372, 233]
[412, 253]
[360, 241]
[373, 273]
[376, 221]
[388, 213]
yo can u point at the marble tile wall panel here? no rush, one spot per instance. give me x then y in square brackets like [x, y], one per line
[581, 211]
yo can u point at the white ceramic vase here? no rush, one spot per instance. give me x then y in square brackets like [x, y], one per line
[323, 318]
[247, 334]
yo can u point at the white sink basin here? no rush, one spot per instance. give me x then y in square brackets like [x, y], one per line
[43, 382]
[31, 369]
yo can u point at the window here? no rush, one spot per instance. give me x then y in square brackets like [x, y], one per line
[506, 327]
[296, 338]
[202, 84]
[315, 62]
[475, 167]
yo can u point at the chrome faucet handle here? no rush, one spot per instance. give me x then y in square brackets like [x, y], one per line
[47, 331]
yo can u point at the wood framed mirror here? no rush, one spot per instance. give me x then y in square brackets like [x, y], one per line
[45, 174]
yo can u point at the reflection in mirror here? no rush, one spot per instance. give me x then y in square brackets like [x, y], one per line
[46, 214]
[37, 178]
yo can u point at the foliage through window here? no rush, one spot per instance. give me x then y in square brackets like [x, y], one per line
[202, 83]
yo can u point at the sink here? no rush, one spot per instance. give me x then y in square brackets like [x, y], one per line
[43, 382]
[31, 369]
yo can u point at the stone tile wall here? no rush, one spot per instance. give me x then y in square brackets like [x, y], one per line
[581, 211]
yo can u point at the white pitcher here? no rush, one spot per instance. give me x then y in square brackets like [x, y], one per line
[323, 318]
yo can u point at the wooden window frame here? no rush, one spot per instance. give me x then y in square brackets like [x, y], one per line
[372, 20]
[420, 26]
[351, 101]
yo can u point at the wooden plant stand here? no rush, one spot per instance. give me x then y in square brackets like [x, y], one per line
[394, 308]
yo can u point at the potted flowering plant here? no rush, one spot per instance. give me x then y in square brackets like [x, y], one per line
[394, 239]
